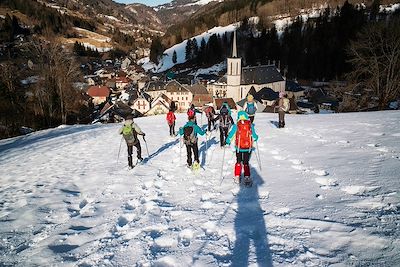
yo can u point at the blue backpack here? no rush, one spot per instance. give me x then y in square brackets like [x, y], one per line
[250, 109]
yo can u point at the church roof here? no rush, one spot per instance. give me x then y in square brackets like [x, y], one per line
[260, 75]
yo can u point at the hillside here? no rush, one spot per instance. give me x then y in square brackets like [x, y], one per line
[226, 12]
[326, 193]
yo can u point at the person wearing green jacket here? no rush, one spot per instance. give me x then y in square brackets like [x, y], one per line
[189, 132]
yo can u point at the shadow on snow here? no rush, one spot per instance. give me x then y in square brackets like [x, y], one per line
[250, 226]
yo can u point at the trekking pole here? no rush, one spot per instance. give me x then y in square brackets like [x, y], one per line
[222, 166]
[180, 150]
[258, 156]
[119, 150]
[147, 149]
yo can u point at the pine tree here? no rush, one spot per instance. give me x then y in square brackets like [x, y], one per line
[174, 57]
[188, 50]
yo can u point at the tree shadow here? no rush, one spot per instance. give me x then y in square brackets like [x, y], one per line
[250, 226]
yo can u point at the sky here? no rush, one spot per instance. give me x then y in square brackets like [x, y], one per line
[146, 2]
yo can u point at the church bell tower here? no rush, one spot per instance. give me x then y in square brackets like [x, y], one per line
[234, 70]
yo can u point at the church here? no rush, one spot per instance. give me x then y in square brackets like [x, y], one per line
[238, 80]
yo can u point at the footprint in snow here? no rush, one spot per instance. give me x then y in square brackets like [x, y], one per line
[359, 190]
[383, 149]
[147, 185]
[165, 242]
[279, 157]
[326, 181]
[281, 211]
[274, 152]
[296, 161]
[185, 237]
[320, 172]
[299, 167]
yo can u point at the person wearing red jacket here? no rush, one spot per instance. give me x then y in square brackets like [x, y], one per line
[171, 122]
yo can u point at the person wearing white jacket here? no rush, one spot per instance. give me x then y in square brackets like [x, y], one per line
[284, 106]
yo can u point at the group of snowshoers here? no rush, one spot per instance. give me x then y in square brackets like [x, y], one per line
[242, 133]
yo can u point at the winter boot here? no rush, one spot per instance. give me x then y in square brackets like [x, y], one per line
[246, 168]
[238, 172]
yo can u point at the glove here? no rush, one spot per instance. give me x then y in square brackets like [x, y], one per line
[144, 134]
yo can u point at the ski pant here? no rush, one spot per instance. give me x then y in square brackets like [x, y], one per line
[130, 151]
[195, 149]
[172, 129]
[242, 158]
[223, 134]
[281, 118]
[210, 122]
[251, 117]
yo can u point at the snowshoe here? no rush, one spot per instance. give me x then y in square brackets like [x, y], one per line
[247, 181]
[236, 179]
[196, 166]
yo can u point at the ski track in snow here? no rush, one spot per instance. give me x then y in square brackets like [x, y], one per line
[326, 194]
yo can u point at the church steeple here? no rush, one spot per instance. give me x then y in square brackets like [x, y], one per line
[234, 50]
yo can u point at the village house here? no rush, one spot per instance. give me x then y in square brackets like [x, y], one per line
[142, 82]
[178, 93]
[155, 88]
[201, 96]
[142, 103]
[99, 93]
[160, 105]
[121, 82]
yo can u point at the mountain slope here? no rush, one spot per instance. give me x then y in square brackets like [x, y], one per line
[327, 193]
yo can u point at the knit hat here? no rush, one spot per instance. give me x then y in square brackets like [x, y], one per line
[250, 98]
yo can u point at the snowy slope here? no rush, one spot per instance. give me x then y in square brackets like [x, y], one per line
[166, 61]
[327, 194]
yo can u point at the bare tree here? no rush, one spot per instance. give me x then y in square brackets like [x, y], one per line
[375, 57]
[55, 95]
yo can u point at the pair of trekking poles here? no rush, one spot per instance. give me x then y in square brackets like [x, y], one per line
[120, 143]
[223, 161]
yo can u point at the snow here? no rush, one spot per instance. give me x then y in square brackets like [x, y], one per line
[202, 2]
[389, 8]
[67, 197]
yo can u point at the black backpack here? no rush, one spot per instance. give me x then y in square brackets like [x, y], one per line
[189, 136]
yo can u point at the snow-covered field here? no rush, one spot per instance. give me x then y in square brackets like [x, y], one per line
[327, 193]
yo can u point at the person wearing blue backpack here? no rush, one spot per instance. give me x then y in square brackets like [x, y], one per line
[250, 107]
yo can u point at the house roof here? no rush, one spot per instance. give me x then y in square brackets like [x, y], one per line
[162, 97]
[198, 89]
[219, 101]
[260, 75]
[98, 91]
[122, 80]
[292, 86]
[266, 94]
[155, 86]
[202, 99]
[175, 86]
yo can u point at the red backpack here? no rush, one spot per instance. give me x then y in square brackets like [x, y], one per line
[170, 117]
[244, 139]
